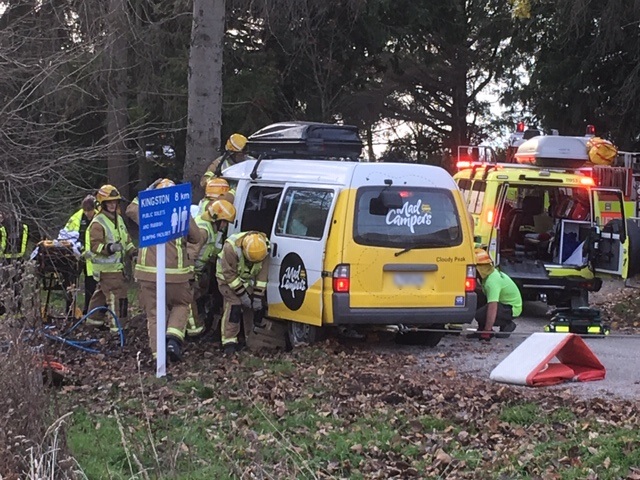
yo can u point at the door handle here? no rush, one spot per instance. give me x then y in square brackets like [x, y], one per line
[274, 249]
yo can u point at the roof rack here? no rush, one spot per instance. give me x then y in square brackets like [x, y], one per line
[306, 140]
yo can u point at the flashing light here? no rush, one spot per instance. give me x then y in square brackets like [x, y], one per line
[520, 127]
[462, 164]
[587, 181]
[404, 194]
[591, 130]
[341, 279]
[470, 281]
[490, 217]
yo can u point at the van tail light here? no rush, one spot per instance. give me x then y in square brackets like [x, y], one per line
[470, 281]
[341, 279]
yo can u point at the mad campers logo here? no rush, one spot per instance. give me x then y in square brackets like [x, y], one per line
[293, 281]
[410, 215]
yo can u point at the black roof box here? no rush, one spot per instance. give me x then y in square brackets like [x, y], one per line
[306, 140]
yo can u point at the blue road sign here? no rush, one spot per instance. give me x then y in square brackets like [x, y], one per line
[164, 214]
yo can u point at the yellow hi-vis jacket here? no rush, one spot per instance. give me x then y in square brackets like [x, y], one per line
[79, 222]
[24, 237]
[235, 271]
[103, 230]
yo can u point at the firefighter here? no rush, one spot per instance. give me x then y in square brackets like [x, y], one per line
[75, 230]
[213, 225]
[216, 189]
[234, 154]
[504, 302]
[178, 275]
[242, 269]
[107, 243]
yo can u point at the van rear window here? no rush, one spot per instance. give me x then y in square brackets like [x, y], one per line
[402, 217]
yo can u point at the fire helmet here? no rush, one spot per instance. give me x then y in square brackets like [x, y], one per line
[219, 210]
[254, 247]
[236, 143]
[107, 193]
[215, 188]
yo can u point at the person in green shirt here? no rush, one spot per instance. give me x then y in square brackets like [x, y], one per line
[504, 302]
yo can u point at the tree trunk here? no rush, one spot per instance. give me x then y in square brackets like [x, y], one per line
[117, 120]
[205, 89]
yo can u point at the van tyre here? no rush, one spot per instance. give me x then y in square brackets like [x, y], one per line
[426, 339]
[300, 334]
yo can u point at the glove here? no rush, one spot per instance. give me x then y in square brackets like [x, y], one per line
[154, 184]
[114, 247]
[485, 336]
[245, 300]
[258, 318]
[256, 304]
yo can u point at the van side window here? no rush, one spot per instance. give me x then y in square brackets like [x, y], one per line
[260, 209]
[304, 213]
[477, 196]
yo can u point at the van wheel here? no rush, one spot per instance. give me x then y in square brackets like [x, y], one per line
[300, 334]
[427, 339]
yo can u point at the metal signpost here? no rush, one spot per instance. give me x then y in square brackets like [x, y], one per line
[164, 216]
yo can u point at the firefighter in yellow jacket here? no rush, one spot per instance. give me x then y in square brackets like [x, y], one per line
[234, 153]
[108, 241]
[213, 225]
[242, 270]
[179, 271]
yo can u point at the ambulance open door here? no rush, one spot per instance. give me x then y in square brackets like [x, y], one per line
[611, 245]
[493, 245]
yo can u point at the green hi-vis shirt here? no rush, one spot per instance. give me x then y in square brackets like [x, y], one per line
[498, 287]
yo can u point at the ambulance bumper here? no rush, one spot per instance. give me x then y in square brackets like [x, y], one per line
[343, 314]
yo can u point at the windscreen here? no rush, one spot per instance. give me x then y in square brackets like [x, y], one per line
[402, 217]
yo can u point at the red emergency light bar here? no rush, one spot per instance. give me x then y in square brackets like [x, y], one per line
[520, 127]
[591, 130]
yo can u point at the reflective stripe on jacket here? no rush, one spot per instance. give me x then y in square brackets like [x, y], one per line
[178, 265]
[103, 231]
[209, 245]
[24, 237]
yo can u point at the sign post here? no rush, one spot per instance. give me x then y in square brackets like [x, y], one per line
[164, 216]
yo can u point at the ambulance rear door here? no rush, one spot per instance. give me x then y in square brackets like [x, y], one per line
[610, 250]
[493, 245]
[298, 244]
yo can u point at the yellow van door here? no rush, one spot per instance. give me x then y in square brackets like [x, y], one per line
[610, 256]
[297, 249]
[410, 246]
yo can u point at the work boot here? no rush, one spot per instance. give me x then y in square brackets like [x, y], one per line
[231, 348]
[505, 330]
[174, 350]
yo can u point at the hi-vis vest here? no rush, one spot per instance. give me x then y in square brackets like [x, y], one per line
[78, 222]
[179, 269]
[24, 236]
[211, 247]
[246, 274]
[112, 234]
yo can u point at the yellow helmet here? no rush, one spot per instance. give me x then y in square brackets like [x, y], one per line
[219, 210]
[482, 257]
[166, 182]
[254, 247]
[236, 143]
[216, 187]
[107, 193]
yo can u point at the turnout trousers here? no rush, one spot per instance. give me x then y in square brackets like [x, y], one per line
[178, 301]
[111, 292]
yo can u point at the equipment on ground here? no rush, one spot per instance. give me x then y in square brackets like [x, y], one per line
[59, 268]
[578, 320]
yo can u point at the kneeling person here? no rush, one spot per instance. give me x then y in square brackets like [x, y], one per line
[504, 302]
[242, 277]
